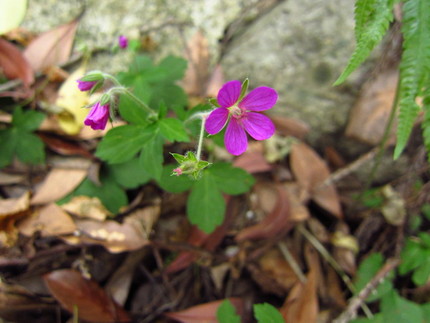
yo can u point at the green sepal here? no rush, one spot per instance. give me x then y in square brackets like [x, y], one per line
[105, 99]
[93, 76]
[214, 102]
[245, 85]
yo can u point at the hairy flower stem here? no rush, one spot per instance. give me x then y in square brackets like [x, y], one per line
[201, 135]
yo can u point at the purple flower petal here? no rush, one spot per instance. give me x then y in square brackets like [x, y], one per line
[98, 116]
[260, 99]
[86, 85]
[122, 41]
[216, 120]
[258, 126]
[235, 139]
[229, 94]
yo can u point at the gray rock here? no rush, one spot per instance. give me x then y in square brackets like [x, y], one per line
[299, 48]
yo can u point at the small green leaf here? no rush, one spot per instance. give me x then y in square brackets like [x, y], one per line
[422, 273]
[129, 174]
[266, 313]
[425, 209]
[214, 102]
[173, 130]
[174, 184]
[206, 205]
[151, 158]
[226, 313]
[231, 180]
[110, 194]
[412, 256]
[173, 68]
[27, 120]
[8, 140]
[122, 143]
[129, 110]
[30, 148]
[397, 309]
[425, 239]
[367, 270]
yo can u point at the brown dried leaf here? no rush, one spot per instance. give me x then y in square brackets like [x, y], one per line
[301, 306]
[49, 220]
[52, 47]
[215, 82]
[253, 160]
[8, 179]
[290, 127]
[371, 112]
[58, 183]
[204, 313]
[13, 64]
[93, 304]
[297, 198]
[311, 171]
[276, 222]
[116, 237]
[63, 147]
[196, 75]
[10, 211]
[14, 205]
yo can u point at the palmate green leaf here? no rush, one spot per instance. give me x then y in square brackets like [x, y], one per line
[27, 120]
[266, 313]
[122, 143]
[30, 148]
[151, 158]
[173, 130]
[8, 139]
[397, 309]
[129, 174]
[174, 184]
[206, 205]
[226, 313]
[371, 28]
[414, 67]
[231, 180]
[129, 110]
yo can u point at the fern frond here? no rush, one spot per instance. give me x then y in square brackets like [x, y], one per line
[364, 9]
[372, 26]
[414, 67]
[426, 122]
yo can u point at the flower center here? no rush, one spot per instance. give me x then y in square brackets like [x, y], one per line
[236, 112]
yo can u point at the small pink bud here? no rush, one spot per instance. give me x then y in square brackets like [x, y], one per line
[177, 171]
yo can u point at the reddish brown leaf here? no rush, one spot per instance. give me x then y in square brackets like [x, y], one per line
[290, 127]
[301, 306]
[204, 313]
[13, 64]
[276, 222]
[253, 160]
[52, 47]
[311, 171]
[63, 147]
[196, 75]
[370, 114]
[93, 304]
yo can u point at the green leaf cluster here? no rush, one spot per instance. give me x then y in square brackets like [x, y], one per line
[416, 258]
[154, 85]
[264, 313]
[372, 19]
[205, 204]
[19, 139]
[226, 313]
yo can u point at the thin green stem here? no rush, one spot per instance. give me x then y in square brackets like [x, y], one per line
[201, 135]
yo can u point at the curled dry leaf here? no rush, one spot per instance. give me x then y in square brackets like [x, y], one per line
[310, 172]
[273, 273]
[301, 306]
[64, 147]
[72, 290]
[118, 237]
[58, 183]
[276, 222]
[49, 220]
[205, 312]
[52, 47]
[345, 248]
[13, 64]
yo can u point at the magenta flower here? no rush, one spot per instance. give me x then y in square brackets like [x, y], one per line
[86, 85]
[243, 116]
[98, 116]
[122, 41]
